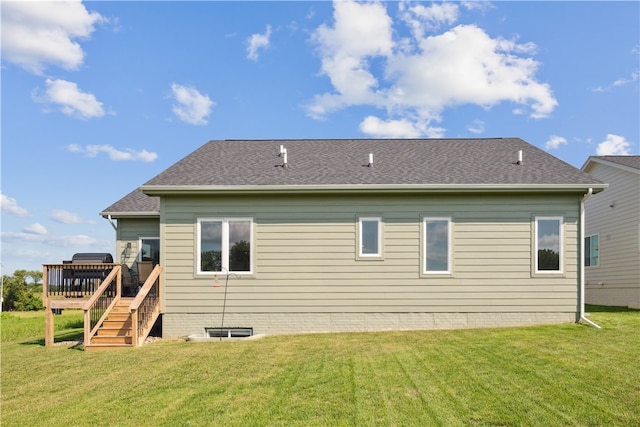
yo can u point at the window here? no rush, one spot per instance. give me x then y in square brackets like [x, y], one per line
[224, 245]
[591, 251]
[370, 237]
[548, 244]
[437, 245]
[149, 249]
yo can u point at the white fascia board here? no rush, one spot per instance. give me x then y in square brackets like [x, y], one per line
[160, 190]
[117, 215]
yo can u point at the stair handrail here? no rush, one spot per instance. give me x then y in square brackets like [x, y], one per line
[90, 331]
[143, 295]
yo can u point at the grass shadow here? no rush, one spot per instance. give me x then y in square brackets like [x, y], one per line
[607, 309]
[73, 335]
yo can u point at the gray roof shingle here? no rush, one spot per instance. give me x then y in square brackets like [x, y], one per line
[629, 161]
[134, 203]
[343, 162]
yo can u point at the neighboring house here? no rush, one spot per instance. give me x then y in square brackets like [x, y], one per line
[612, 239]
[361, 235]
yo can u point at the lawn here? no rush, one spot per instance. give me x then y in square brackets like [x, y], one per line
[547, 376]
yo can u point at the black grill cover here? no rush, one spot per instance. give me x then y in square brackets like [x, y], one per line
[92, 258]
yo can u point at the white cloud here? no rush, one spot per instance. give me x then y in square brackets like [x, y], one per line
[622, 81]
[257, 42]
[114, 154]
[360, 31]
[35, 228]
[422, 19]
[614, 145]
[10, 206]
[476, 127]
[554, 142]
[419, 78]
[191, 106]
[401, 128]
[61, 241]
[71, 100]
[66, 217]
[549, 241]
[38, 33]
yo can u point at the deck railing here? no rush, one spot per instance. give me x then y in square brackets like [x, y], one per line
[98, 306]
[73, 280]
[145, 308]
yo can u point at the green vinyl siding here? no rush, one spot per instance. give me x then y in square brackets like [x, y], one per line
[306, 255]
[129, 230]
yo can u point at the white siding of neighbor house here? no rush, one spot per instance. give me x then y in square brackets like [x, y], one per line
[616, 280]
[307, 275]
[129, 231]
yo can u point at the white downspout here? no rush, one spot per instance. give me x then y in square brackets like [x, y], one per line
[111, 222]
[581, 260]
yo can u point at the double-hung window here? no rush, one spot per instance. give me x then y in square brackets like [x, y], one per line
[548, 244]
[437, 245]
[592, 251]
[224, 245]
[370, 237]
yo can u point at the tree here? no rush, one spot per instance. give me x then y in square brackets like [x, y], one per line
[548, 259]
[22, 291]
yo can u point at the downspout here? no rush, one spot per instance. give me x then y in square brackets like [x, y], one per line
[581, 260]
[111, 222]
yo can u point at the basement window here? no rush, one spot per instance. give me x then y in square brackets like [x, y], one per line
[228, 332]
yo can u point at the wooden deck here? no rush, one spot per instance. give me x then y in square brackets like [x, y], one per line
[97, 289]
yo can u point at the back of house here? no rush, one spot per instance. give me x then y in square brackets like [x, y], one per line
[292, 236]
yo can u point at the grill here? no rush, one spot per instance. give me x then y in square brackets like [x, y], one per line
[92, 258]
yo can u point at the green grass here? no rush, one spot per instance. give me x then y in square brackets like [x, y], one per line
[566, 375]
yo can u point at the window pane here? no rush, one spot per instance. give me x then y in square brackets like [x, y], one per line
[239, 245]
[369, 236]
[437, 245]
[594, 250]
[150, 250]
[211, 246]
[548, 245]
[587, 251]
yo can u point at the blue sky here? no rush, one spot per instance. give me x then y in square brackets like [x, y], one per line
[99, 97]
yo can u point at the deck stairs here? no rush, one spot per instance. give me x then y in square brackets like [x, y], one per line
[115, 331]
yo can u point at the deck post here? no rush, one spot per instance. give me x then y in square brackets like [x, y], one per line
[48, 313]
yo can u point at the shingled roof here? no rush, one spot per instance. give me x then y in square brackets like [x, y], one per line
[632, 162]
[334, 164]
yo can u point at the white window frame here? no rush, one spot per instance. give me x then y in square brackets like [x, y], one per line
[449, 221]
[588, 255]
[225, 245]
[560, 220]
[360, 237]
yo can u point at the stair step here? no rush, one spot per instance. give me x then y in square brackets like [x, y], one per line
[100, 339]
[113, 332]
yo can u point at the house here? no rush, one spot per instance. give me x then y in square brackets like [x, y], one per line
[612, 239]
[292, 236]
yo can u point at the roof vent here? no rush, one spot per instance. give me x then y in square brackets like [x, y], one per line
[281, 151]
[370, 160]
[284, 157]
[519, 162]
